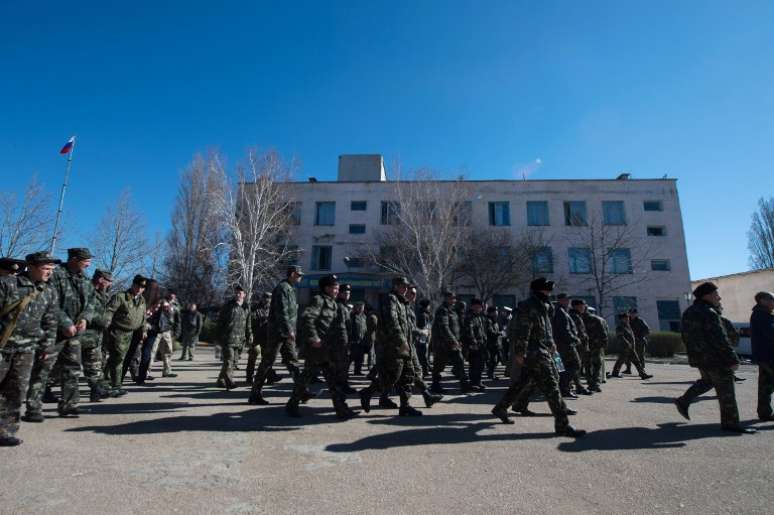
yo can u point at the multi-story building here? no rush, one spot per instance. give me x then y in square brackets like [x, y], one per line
[333, 218]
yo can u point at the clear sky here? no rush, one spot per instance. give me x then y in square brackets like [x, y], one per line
[589, 88]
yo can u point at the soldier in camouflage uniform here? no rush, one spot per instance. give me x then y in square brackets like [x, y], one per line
[322, 327]
[358, 334]
[592, 358]
[92, 356]
[260, 327]
[191, 323]
[419, 382]
[533, 350]
[446, 344]
[76, 309]
[28, 323]
[474, 343]
[342, 365]
[424, 318]
[396, 368]
[493, 342]
[641, 332]
[623, 332]
[710, 351]
[372, 325]
[566, 338]
[283, 314]
[126, 314]
[598, 332]
[233, 331]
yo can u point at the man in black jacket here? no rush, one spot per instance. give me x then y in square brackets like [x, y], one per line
[762, 340]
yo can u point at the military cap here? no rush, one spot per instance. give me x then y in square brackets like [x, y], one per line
[491, 309]
[79, 253]
[764, 295]
[541, 284]
[295, 269]
[704, 289]
[328, 280]
[508, 309]
[562, 296]
[578, 302]
[633, 311]
[267, 295]
[476, 302]
[11, 265]
[238, 287]
[140, 281]
[345, 287]
[41, 258]
[400, 281]
[103, 274]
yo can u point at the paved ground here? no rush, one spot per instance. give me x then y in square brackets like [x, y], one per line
[184, 446]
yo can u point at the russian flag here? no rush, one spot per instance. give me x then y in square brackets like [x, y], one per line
[68, 146]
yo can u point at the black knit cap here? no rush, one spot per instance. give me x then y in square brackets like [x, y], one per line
[328, 280]
[140, 281]
[704, 289]
[541, 284]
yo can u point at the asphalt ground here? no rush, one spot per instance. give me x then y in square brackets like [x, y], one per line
[181, 445]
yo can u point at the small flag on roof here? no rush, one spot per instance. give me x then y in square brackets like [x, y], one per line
[68, 146]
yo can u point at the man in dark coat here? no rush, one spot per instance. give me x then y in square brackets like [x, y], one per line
[762, 340]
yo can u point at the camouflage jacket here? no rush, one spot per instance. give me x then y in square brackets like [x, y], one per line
[530, 328]
[283, 312]
[580, 327]
[411, 315]
[624, 335]
[493, 334]
[37, 324]
[395, 327]
[234, 324]
[346, 313]
[99, 321]
[596, 329]
[446, 327]
[191, 323]
[372, 325]
[126, 312]
[322, 320]
[706, 341]
[564, 331]
[475, 332]
[731, 332]
[358, 329]
[76, 296]
[260, 322]
[640, 328]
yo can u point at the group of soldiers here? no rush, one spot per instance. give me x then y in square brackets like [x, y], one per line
[58, 324]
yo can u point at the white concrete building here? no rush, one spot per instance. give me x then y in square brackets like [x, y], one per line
[333, 217]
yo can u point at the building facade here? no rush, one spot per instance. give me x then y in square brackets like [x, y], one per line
[333, 218]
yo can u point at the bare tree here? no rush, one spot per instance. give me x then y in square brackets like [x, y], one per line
[255, 214]
[119, 243]
[191, 263]
[761, 235]
[495, 260]
[610, 257]
[25, 223]
[426, 225]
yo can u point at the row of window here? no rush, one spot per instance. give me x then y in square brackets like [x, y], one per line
[575, 212]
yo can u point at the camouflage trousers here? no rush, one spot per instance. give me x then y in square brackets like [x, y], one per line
[92, 359]
[723, 382]
[60, 361]
[230, 355]
[394, 373]
[443, 355]
[476, 360]
[539, 372]
[188, 343]
[595, 367]
[287, 349]
[342, 364]
[765, 389]
[15, 370]
[253, 359]
[628, 354]
[416, 363]
[640, 347]
[572, 366]
[313, 367]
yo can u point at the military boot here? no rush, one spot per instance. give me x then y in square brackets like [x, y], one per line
[10, 441]
[96, 394]
[407, 410]
[387, 403]
[501, 413]
[365, 399]
[257, 398]
[49, 397]
[343, 412]
[33, 416]
[571, 432]
[431, 398]
[682, 408]
[466, 387]
[437, 388]
[291, 408]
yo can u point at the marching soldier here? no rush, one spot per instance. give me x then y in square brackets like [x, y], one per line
[358, 334]
[233, 331]
[566, 338]
[625, 337]
[28, 323]
[446, 344]
[474, 343]
[191, 323]
[260, 327]
[641, 332]
[91, 344]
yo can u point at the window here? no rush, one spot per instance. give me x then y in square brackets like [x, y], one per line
[390, 212]
[463, 213]
[575, 213]
[357, 229]
[321, 257]
[499, 213]
[325, 213]
[358, 205]
[623, 304]
[656, 230]
[613, 212]
[537, 213]
[619, 261]
[653, 205]
[295, 213]
[660, 265]
[580, 260]
[668, 315]
[504, 300]
[543, 261]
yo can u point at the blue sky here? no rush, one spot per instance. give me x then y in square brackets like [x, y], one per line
[589, 88]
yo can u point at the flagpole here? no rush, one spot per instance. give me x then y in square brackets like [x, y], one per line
[61, 196]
